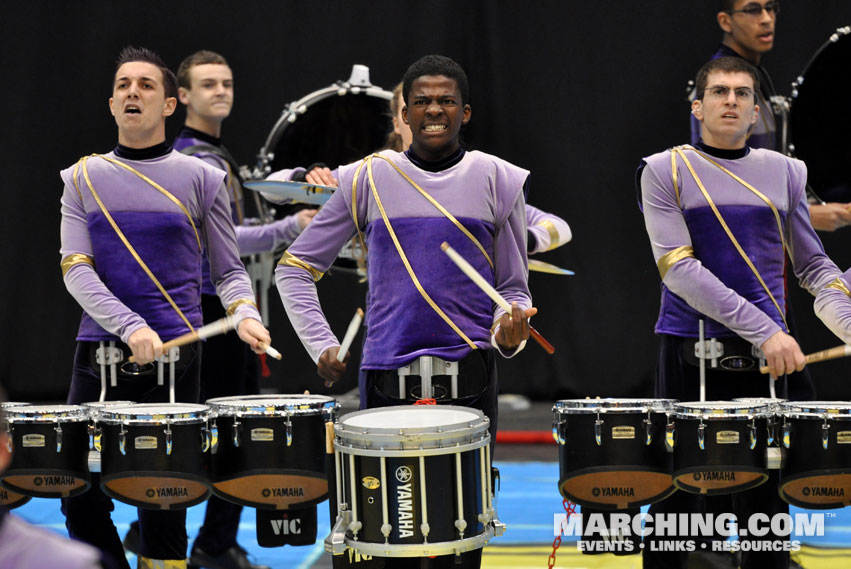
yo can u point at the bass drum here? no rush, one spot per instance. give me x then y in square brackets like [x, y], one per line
[818, 122]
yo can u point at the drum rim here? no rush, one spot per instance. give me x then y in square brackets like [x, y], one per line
[26, 413]
[718, 410]
[121, 414]
[817, 409]
[226, 406]
[592, 406]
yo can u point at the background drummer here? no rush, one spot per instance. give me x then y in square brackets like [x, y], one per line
[749, 28]
[704, 277]
[485, 192]
[120, 299]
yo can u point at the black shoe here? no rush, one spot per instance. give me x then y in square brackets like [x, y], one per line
[234, 558]
[131, 538]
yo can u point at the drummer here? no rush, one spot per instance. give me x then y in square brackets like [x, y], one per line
[134, 224]
[419, 303]
[736, 289]
[749, 28]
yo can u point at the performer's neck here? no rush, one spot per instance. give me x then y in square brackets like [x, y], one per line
[205, 125]
[438, 165]
[723, 153]
[752, 56]
[189, 132]
[148, 153]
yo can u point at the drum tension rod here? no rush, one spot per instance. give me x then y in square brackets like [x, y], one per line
[648, 429]
[752, 433]
[58, 430]
[122, 440]
[825, 433]
[236, 429]
[700, 434]
[168, 440]
[598, 429]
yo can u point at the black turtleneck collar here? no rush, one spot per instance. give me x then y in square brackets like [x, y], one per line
[189, 132]
[438, 166]
[149, 153]
[723, 153]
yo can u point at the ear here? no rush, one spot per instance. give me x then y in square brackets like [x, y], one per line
[169, 106]
[468, 112]
[405, 115]
[697, 109]
[183, 95]
[111, 109]
[723, 19]
[755, 115]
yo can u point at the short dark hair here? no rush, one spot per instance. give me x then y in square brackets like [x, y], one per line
[198, 58]
[725, 65]
[436, 65]
[131, 53]
[727, 5]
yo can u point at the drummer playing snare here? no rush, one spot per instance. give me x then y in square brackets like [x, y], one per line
[719, 215]
[422, 313]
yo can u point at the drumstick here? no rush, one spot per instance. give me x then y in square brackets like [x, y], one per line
[824, 355]
[222, 326]
[474, 275]
[269, 350]
[350, 334]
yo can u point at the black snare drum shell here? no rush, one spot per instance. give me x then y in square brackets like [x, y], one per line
[40, 471]
[812, 476]
[623, 453]
[693, 466]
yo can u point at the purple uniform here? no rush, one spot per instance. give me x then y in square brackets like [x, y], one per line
[484, 193]
[117, 295]
[547, 231]
[702, 273]
[833, 306]
[23, 546]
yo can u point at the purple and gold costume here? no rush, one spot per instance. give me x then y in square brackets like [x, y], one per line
[483, 192]
[833, 306]
[546, 230]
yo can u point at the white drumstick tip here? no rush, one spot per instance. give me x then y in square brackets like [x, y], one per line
[351, 332]
[270, 351]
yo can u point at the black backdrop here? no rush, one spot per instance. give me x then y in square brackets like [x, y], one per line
[577, 92]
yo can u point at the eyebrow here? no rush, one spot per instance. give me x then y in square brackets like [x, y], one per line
[143, 78]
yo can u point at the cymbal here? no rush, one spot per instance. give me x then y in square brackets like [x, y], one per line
[542, 267]
[296, 192]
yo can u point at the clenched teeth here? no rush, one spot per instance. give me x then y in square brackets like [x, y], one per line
[435, 127]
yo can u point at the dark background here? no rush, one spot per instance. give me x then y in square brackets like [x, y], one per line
[577, 92]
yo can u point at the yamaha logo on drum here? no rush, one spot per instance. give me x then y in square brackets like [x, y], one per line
[609, 492]
[32, 441]
[294, 492]
[403, 474]
[163, 493]
[145, 443]
[823, 491]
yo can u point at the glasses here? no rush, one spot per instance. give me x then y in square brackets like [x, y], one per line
[755, 10]
[722, 92]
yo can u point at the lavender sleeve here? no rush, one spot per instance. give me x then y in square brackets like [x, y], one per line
[688, 278]
[81, 280]
[268, 236]
[317, 246]
[226, 270]
[550, 230]
[833, 307]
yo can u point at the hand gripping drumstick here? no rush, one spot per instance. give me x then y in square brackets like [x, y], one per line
[351, 332]
[222, 326]
[474, 275]
[824, 355]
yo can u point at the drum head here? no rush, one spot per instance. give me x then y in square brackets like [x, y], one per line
[819, 124]
[102, 404]
[423, 418]
[271, 404]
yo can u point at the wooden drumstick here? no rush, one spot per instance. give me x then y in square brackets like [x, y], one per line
[474, 275]
[222, 326]
[350, 334]
[824, 355]
[270, 351]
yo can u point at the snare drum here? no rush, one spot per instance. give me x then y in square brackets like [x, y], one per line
[50, 450]
[612, 452]
[719, 446]
[155, 455]
[271, 449]
[413, 481]
[816, 436]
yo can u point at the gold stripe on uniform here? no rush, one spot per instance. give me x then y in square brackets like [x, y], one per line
[292, 261]
[672, 257]
[839, 285]
[76, 259]
[145, 563]
[237, 303]
[552, 230]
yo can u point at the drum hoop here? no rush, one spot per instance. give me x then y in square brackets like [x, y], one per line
[450, 447]
[131, 414]
[239, 405]
[292, 111]
[59, 414]
[479, 422]
[831, 410]
[419, 549]
[720, 410]
[834, 38]
[593, 406]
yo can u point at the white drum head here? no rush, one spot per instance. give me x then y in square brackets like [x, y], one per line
[394, 418]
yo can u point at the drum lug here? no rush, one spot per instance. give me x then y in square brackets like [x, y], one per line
[786, 433]
[205, 439]
[385, 531]
[648, 430]
[214, 438]
[168, 440]
[598, 430]
[355, 527]
[236, 429]
[122, 440]
[460, 525]
[557, 424]
[289, 425]
[700, 435]
[97, 437]
[425, 529]
[9, 446]
[59, 437]
[752, 434]
[825, 434]
[669, 435]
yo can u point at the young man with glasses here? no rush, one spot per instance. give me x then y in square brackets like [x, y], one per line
[720, 216]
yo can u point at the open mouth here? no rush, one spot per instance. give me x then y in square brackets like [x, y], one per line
[730, 116]
[766, 37]
[132, 110]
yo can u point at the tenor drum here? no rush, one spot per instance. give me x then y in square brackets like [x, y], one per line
[414, 481]
[612, 452]
[270, 450]
[8, 498]
[155, 455]
[816, 438]
[719, 446]
[49, 450]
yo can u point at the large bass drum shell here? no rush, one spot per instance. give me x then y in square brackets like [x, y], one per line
[612, 452]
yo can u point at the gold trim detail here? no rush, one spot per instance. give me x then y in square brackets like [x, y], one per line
[291, 260]
[355, 206]
[127, 244]
[552, 230]
[839, 285]
[726, 228]
[145, 563]
[672, 257]
[404, 257]
[76, 259]
[674, 175]
[237, 303]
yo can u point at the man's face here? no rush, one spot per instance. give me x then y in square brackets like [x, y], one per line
[138, 100]
[726, 117]
[435, 114]
[750, 35]
[210, 95]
